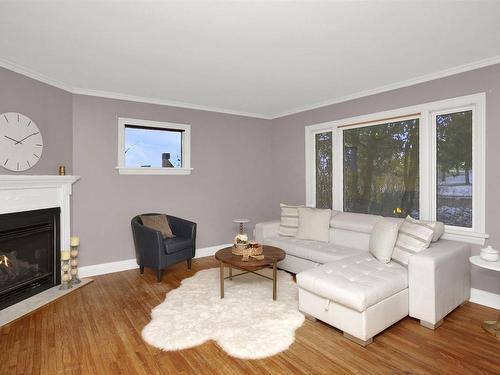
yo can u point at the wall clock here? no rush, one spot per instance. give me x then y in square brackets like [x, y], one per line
[21, 143]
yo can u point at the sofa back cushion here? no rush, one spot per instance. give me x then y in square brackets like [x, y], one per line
[289, 221]
[362, 223]
[348, 238]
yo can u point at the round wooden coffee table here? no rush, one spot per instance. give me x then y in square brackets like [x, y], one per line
[272, 255]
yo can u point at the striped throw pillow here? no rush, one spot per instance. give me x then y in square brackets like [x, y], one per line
[289, 223]
[413, 237]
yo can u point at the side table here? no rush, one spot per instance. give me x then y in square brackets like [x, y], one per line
[492, 327]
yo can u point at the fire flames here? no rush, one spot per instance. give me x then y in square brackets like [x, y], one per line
[4, 260]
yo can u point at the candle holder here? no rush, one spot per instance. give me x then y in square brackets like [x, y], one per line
[74, 265]
[65, 284]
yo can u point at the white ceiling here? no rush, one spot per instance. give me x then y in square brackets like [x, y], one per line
[254, 57]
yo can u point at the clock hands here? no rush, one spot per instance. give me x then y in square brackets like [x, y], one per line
[26, 137]
[12, 139]
[21, 141]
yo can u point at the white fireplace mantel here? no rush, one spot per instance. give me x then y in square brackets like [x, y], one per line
[28, 192]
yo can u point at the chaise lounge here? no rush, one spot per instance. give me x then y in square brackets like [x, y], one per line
[341, 283]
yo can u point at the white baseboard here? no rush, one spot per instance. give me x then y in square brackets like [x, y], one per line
[104, 268]
[130, 264]
[485, 298]
[209, 251]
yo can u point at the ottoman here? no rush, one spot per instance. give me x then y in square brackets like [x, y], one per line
[358, 295]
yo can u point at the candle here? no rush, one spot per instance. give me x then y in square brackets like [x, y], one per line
[75, 241]
[65, 255]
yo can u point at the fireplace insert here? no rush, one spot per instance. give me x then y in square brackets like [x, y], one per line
[29, 254]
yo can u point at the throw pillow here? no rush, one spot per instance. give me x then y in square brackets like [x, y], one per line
[314, 224]
[437, 227]
[382, 239]
[289, 222]
[158, 222]
[414, 236]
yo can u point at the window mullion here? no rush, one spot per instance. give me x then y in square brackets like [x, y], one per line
[338, 170]
[427, 173]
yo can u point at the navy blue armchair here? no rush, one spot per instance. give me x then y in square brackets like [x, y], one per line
[153, 251]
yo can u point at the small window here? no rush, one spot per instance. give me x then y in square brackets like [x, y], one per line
[151, 147]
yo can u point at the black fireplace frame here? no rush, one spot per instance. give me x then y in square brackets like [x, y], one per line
[19, 221]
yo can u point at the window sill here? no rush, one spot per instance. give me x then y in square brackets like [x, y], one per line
[465, 236]
[154, 171]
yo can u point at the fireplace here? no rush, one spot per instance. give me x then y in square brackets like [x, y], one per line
[29, 254]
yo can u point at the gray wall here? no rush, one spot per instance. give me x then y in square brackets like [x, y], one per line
[288, 143]
[81, 133]
[49, 108]
[231, 157]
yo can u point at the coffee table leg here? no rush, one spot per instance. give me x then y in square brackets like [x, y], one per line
[274, 281]
[221, 280]
[230, 272]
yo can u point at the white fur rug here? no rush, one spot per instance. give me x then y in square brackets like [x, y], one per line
[246, 323]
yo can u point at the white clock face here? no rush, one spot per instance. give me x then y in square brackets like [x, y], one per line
[21, 143]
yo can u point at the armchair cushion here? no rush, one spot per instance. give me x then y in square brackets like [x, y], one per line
[173, 245]
[158, 222]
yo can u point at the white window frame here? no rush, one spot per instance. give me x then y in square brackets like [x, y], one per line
[427, 158]
[186, 147]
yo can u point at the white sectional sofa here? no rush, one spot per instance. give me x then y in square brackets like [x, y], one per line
[342, 284]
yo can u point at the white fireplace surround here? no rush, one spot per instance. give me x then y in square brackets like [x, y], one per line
[29, 192]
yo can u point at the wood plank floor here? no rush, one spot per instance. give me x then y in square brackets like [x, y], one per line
[97, 330]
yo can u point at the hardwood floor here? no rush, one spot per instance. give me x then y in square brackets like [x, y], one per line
[97, 330]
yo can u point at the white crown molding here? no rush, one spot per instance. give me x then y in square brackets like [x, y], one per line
[113, 95]
[130, 264]
[171, 103]
[394, 86]
[34, 75]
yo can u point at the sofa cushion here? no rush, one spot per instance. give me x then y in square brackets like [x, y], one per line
[314, 224]
[383, 238]
[414, 236]
[173, 245]
[158, 222]
[289, 221]
[355, 222]
[315, 251]
[357, 282]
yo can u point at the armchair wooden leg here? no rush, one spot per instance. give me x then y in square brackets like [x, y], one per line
[141, 269]
[158, 275]
[189, 263]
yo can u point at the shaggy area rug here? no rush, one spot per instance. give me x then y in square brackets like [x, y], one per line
[246, 323]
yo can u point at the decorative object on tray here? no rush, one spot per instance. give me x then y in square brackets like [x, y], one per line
[65, 284]
[241, 222]
[74, 243]
[241, 241]
[489, 254]
[252, 249]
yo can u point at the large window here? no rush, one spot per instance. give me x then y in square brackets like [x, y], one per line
[151, 147]
[381, 167]
[426, 161]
